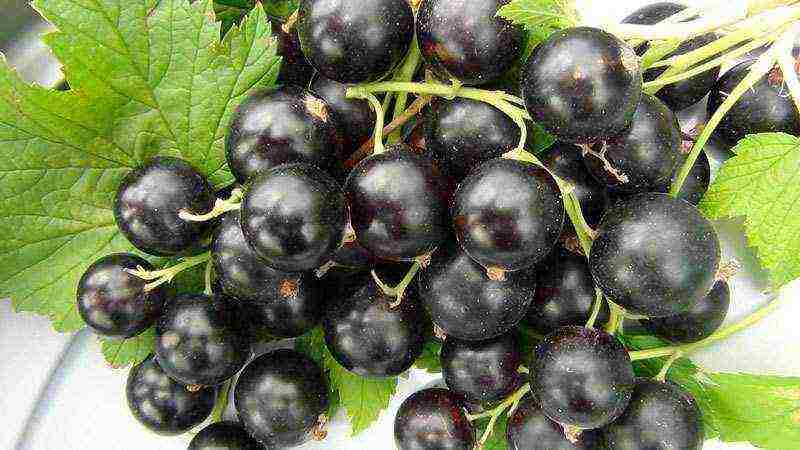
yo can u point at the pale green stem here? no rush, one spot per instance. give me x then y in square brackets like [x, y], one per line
[166, 275]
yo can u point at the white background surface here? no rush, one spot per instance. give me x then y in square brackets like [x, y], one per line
[56, 393]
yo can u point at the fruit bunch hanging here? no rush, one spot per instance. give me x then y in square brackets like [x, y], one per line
[490, 189]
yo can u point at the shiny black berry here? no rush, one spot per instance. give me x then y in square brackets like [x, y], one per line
[582, 84]
[654, 13]
[294, 217]
[766, 107]
[465, 303]
[369, 336]
[582, 377]
[200, 339]
[529, 429]
[162, 405]
[398, 204]
[280, 125]
[508, 214]
[672, 265]
[151, 197]
[115, 303]
[284, 304]
[482, 372]
[352, 41]
[467, 40]
[696, 184]
[433, 419]
[224, 436]
[565, 293]
[295, 69]
[660, 416]
[566, 162]
[644, 156]
[700, 321]
[354, 117]
[463, 133]
[280, 397]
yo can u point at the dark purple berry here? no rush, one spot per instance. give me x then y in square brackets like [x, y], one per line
[354, 117]
[482, 372]
[433, 419]
[529, 429]
[295, 69]
[224, 436]
[700, 321]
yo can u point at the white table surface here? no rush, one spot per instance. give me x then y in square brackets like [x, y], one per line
[56, 392]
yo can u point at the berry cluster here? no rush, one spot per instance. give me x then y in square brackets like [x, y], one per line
[453, 230]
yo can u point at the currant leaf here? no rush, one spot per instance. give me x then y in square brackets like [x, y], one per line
[541, 17]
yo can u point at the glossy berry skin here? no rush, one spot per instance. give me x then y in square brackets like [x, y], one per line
[148, 202]
[565, 293]
[279, 397]
[642, 157]
[284, 304]
[369, 337]
[433, 419]
[696, 184]
[398, 204]
[698, 322]
[529, 429]
[162, 405]
[660, 416]
[353, 41]
[280, 125]
[466, 40]
[508, 214]
[573, 96]
[294, 217]
[566, 161]
[465, 303]
[200, 340]
[482, 372]
[113, 302]
[295, 69]
[463, 133]
[224, 436]
[672, 265]
[764, 108]
[354, 117]
[654, 13]
[582, 377]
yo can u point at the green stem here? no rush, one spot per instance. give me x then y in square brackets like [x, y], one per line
[405, 73]
[662, 375]
[221, 206]
[159, 277]
[495, 412]
[222, 402]
[379, 118]
[400, 289]
[209, 269]
[598, 303]
[614, 319]
[757, 70]
[719, 335]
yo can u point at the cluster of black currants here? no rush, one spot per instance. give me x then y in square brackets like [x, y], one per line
[455, 236]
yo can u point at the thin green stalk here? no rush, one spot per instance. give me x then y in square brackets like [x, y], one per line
[159, 277]
[379, 119]
[615, 318]
[596, 306]
[222, 402]
[494, 413]
[405, 73]
[209, 269]
[221, 206]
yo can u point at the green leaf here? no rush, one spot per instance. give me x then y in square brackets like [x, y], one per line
[429, 360]
[281, 9]
[541, 17]
[148, 77]
[760, 409]
[122, 353]
[762, 184]
[497, 441]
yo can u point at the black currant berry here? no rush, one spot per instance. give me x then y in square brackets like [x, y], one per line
[529, 429]
[582, 377]
[680, 95]
[467, 40]
[115, 303]
[582, 84]
[200, 340]
[224, 436]
[162, 405]
[433, 419]
[565, 293]
[644, 156]
[277, 126]
[696, 184]
[398, 204]
[766, 107]
[660, 416]
[671, 266]
[294, 217]
[280, 397]
[508, 214]
[482, 372]
[151, 197]
[295, 69]
[354, 117]
[283, 304]
[700, 321]
[465, 303]
[463, 133]
[566, 162]
[369, 336]
[352, 41]
[352, 255]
